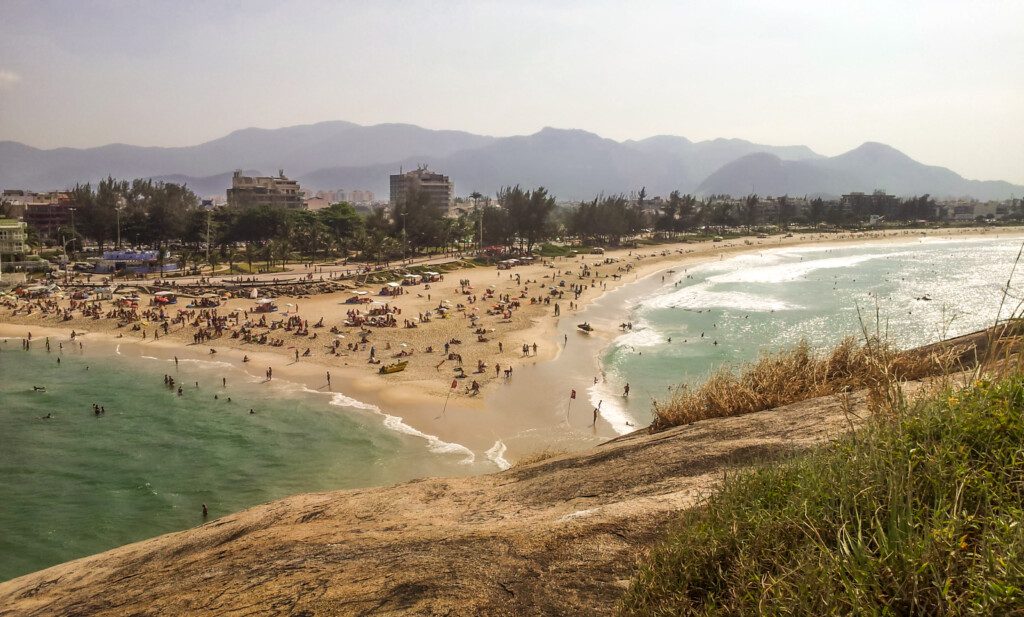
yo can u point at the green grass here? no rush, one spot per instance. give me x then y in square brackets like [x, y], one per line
[921, 512]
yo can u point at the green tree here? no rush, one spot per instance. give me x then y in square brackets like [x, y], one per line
[342, 223]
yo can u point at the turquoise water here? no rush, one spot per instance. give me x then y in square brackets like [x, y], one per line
[730, 311]
[77, 484]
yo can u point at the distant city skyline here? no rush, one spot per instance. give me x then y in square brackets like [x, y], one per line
[940, 81]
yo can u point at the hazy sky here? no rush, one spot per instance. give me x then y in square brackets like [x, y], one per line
[942, 81]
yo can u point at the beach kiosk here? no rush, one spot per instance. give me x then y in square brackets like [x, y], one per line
[265, 305]
[412, 279]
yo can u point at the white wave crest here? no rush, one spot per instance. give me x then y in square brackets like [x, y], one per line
[642, 335]
[395, 423]
[496, 454]
[780, 273]
[700, 296]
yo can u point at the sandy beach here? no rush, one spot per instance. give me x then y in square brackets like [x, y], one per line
[510, 416]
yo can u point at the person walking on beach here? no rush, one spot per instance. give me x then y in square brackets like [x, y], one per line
[625, 391]
[597, 410]
[328, 379]
[270, 373]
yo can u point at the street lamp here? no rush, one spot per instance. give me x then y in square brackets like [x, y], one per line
[74, 232]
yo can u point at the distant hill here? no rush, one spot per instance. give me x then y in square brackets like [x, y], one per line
[296, 149]
[571, 163]
[866, 168]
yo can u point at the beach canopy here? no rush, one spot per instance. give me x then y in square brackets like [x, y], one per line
[264, 301]
[164, 293]
[360, 293]
[432, 273]
[393, 284]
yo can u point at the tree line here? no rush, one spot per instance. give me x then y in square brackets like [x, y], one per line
[145, 213]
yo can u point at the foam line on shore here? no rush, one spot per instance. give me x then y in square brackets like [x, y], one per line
[395, 423]
[610, 410]
[496, 454]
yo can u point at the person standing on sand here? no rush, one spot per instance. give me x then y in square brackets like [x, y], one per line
[596, 411]
[625, 392]
[270, 373]
[328, 379]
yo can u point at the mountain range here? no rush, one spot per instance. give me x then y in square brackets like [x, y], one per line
[573, 164]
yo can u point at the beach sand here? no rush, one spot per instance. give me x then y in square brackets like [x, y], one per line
[511, 417]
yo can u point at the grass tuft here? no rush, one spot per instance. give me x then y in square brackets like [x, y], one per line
[799, 374]
[921, 512]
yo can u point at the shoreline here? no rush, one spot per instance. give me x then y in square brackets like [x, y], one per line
[513, 417]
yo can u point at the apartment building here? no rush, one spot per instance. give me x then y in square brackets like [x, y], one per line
[437, 186]
[255, 191]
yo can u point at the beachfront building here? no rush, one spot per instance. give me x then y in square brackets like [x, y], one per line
[862, 204]
[438, 188]
[13, 239]
[48, 212]
[136, 262]
[316, 203]
[255, 191]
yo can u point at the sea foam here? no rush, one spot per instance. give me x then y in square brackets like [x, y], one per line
[496, 454]
[395, 423]
[610, 409]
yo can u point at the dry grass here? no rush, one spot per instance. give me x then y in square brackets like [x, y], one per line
[800, 373]
[536, 457]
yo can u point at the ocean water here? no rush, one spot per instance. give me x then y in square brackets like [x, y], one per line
[77, 484]
[728, 312]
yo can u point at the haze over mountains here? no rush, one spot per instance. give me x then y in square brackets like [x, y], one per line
[572, 164]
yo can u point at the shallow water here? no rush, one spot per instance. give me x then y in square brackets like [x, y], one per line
[77, 484]
[730, 311]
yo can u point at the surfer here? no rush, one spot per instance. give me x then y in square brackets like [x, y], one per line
[39, 388]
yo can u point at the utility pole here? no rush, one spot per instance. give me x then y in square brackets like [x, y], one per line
[208, 214]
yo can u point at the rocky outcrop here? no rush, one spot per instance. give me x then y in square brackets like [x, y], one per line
[560, 536]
